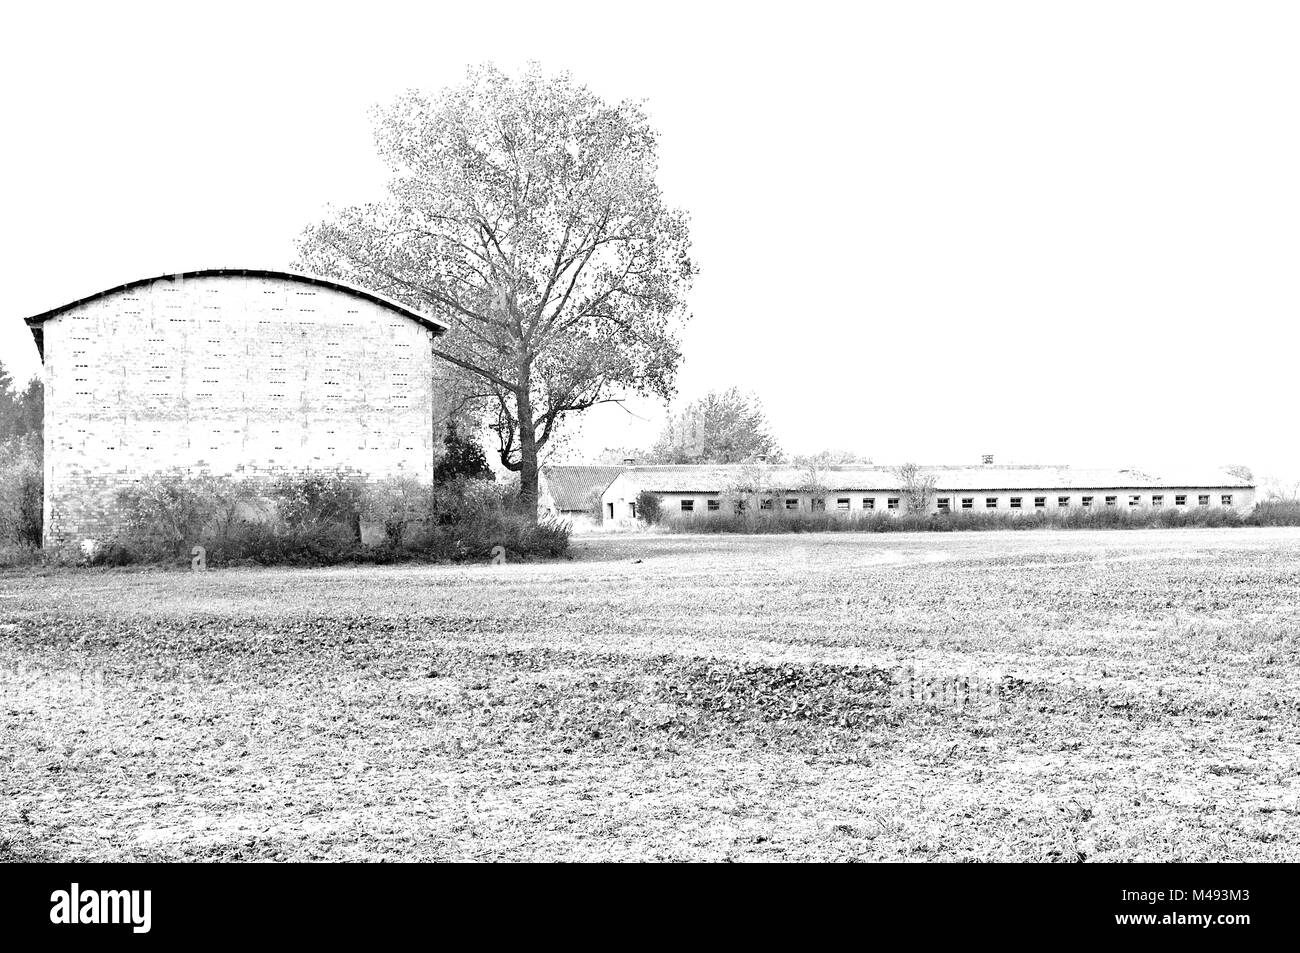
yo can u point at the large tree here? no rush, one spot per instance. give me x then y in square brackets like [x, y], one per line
[721, 427]
[524, 211]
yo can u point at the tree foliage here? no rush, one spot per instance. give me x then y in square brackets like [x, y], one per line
[829, 458]
[618, 456]
[721, 427]
[22, 412]
[1280, 490]
[462, 459]
[21, 490]
[918, 486]
[524, 212]
[22, 452]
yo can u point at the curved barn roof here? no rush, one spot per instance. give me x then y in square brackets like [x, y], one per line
[433, 324]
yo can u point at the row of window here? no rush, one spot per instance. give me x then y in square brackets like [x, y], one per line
[1040, 502]
[945, 503]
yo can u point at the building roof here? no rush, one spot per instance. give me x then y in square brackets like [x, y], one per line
[433, 324]
[721, 478]
[572, 487]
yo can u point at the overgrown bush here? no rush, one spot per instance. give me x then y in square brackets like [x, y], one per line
[167, 513]
[315, 519]
[1276, 513]
[21, 490]
[397, 505]
[18, 554]
[649, 507]
[470, 517]
[475, 538]
[311, 503]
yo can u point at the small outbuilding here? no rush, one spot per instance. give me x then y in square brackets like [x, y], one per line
[573, 493]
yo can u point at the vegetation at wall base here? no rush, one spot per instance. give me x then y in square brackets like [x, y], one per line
[1276, 513]
[1281, 513]
[315, 519]
[13, 555]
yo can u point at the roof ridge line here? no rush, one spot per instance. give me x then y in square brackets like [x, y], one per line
[434, 324]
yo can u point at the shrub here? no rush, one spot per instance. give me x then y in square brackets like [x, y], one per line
[268, 544]
[18, 554]
[165, 513]
[465, 499]
[649, 507]
[231, 504]
[314, 502]
[397, 503]
[123, 551]
[475, 538]
[317, 520]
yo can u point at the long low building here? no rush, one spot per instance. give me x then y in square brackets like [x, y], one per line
[689, 492]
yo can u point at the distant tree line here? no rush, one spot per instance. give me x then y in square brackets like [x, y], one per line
[22, 413]
[723, 426]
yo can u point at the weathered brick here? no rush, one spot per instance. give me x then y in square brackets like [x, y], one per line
[248, 375]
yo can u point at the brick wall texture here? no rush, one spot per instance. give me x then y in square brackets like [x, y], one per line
[228, 374]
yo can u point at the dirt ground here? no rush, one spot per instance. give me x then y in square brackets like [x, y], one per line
[1034, 695]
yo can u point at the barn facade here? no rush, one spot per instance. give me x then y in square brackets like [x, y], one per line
[693, 492]
[239, 372]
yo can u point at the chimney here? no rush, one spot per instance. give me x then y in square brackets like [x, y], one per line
[988, 459]
[629, 461]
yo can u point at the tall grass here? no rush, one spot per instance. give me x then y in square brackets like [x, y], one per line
[1277, 513]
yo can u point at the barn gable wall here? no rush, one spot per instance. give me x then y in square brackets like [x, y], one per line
[229, 374]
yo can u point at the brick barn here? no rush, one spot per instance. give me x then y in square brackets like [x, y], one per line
[227, 371]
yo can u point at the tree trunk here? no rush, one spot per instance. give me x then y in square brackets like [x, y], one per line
[528, 490]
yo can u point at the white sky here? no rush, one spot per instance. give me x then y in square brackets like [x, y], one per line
[1056, 232]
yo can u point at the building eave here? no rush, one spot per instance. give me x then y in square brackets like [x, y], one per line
[35, 322]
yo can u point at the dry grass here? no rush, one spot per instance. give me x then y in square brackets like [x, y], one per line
[1058, 696]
